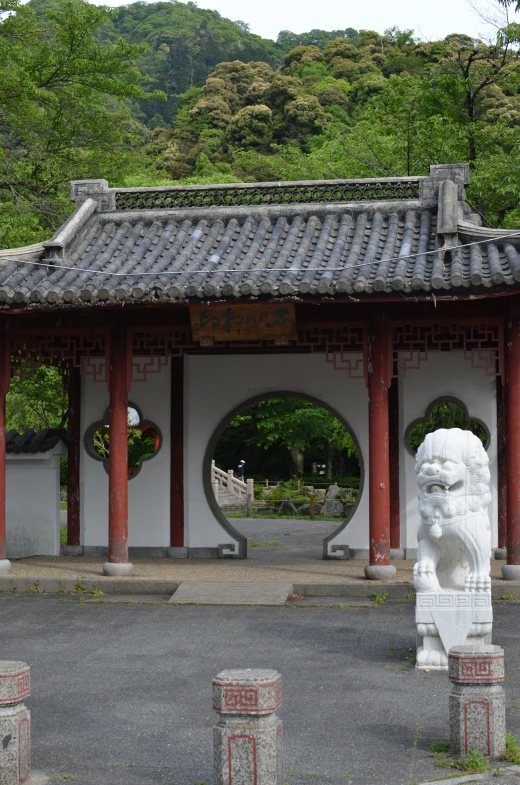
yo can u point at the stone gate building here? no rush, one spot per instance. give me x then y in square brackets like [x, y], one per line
[375, 298]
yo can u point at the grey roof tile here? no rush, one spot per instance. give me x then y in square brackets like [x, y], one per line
[285, 250]
[33, 442]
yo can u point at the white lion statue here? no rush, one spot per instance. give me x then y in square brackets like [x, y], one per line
[452, 573]
[454, 534]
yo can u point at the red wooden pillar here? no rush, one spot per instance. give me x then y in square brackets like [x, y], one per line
[502, 468]
[73, 546]
[5, 378]
[511, 571]
[118, 563]
[379, 453]
[395, 512]
[177, 548]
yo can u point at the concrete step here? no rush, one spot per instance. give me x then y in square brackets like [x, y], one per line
[232, 593]
[228, 500]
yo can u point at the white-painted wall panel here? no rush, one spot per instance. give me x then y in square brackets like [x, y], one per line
[33, 503]
[444, 374]
[148, 491]
[215, 385]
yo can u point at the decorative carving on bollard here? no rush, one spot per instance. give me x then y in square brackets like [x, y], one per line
[247, 739]
[452, 573]
[15, 726]
[15, 723]
[477, 705]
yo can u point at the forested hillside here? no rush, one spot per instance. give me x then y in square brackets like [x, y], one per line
[169, 93]
[384, 106]
[185, 43]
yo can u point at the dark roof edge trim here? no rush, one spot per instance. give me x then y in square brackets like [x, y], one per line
[270, 212]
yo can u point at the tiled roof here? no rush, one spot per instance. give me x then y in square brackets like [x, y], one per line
[32, 442]
[389, 238]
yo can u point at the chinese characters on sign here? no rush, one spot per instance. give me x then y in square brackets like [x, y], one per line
[242, 322]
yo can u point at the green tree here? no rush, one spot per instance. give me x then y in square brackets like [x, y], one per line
[185, 44]
[447, 414]
[38, 400]
[296, 428]
[252, 126]
[287, 40]
[65, 110]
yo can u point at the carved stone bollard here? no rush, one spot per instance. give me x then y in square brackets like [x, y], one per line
[15, 723]
[477, 705]
[247, 739]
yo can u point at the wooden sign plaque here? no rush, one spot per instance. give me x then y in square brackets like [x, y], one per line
[242, 322]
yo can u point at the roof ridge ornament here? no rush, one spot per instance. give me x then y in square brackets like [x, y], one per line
[277, 194]
[57, 246]
[98, 190]
[448, 213]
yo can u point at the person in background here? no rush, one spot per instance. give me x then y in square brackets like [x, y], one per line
[240, 470]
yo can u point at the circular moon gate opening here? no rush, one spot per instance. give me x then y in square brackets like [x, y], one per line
[286, 474]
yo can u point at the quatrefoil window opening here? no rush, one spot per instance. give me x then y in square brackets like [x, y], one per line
[144, 440]
[444, 412]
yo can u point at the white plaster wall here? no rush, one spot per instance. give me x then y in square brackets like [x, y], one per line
[148, 491]
[33, 504]
[214, 385]
[443, 374]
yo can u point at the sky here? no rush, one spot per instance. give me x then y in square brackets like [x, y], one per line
[430, 19]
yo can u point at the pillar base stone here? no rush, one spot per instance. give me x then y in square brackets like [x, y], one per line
[73, 550]
[501, 554]
[396, 554]
[118, 569]
[380, 572]
[177, 552]
[5, 566]
[511, 572]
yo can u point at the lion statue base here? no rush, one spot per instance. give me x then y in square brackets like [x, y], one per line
[452, 573]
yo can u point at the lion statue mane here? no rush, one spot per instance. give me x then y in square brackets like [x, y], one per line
[454, 534]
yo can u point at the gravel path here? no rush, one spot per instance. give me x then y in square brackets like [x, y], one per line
[298, 558]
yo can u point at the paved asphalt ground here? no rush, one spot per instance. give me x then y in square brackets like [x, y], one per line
[298, 540]
[122, 693]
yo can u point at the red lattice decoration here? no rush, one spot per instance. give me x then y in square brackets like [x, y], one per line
[481, 342]
[23, 685]
[240, 697]
[475, 669]
[152, 346]
[338, 343]
[244, 746]
[61, 348]
[483, 707]
[24, 749]
[278, 693]
[95, 367]
[19, 682]
[343, 345]
[251, 699]
[478, 671]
